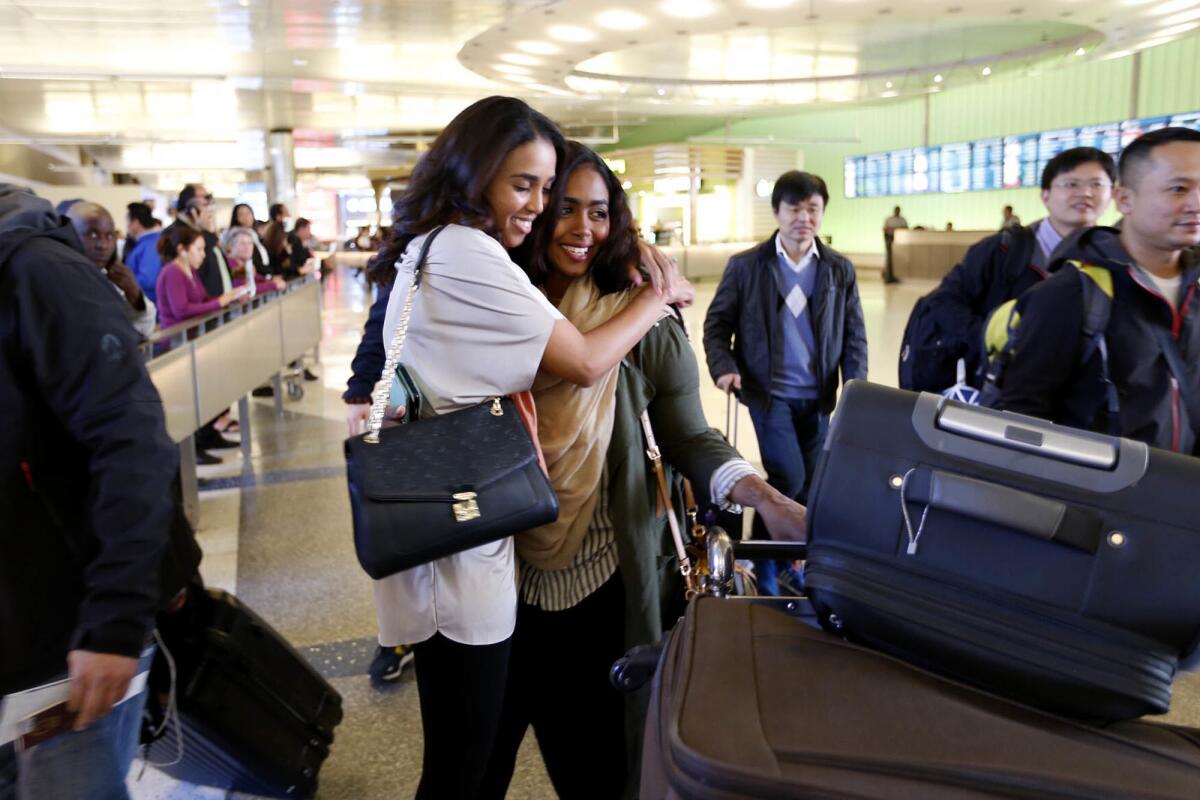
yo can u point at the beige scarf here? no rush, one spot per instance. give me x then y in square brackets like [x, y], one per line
[575, 426]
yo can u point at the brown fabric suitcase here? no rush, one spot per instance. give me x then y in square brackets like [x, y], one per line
[750, 702]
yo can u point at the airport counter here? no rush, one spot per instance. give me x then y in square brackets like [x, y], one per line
[930, 254]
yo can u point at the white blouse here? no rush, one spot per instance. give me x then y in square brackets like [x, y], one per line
[478, 329]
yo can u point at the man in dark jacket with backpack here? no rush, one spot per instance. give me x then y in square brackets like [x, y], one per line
[947, 324]
[1149, 343]
[85, 483]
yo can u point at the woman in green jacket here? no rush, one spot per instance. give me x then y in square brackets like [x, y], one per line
[598, 580]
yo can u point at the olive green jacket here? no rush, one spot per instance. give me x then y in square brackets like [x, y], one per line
[660, 374]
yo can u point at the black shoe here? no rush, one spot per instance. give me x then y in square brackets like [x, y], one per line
[389, 663]
[264, 391]
[211, 440]
[309, 376]
[206, 459]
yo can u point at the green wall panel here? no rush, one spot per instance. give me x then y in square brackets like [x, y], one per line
[1056, 95]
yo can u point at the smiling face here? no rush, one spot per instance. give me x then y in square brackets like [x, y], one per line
[1076, 199]
[581, 223]
[518, 192]
[1162, 203]
[800, 220]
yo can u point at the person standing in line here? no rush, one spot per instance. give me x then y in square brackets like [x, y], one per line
[784, 330]
[196, 212]
[86, 508]
[142, 255]
[478, 330]
[99, 236]
[890, 226]
[1010, 220]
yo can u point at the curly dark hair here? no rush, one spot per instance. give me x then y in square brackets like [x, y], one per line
[609, 268]
[449, 183]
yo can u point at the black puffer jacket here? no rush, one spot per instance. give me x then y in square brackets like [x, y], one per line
[85, 461]
[1046, 379]
[742, 330]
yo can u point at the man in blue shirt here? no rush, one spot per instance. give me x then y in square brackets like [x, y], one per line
[142, 258]
[784, 331]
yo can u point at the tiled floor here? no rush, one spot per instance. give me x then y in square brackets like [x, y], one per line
[276, 531]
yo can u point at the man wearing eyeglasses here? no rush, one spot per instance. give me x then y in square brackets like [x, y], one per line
[1111, 341]
[195, 210]
[1077, 187]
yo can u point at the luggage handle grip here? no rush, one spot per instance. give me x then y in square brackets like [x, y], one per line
[1026, 513]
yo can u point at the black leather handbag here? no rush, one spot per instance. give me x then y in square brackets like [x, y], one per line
[440, 485]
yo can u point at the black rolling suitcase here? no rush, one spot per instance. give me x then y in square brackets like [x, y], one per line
[254, 715]
[1048, 564]
[749, 702]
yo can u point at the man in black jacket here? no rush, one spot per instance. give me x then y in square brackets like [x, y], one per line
[85, 476]
[784, 330]
[195, 207]
[1076, 190]
[1149, 269]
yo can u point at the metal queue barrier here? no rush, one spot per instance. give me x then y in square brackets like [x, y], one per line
[206, 364]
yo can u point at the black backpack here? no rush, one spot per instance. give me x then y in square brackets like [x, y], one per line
[939, 334]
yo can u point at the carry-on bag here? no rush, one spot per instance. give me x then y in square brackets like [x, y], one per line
[437, 486]
[1044, 563]
[750, 702]
[253, 715]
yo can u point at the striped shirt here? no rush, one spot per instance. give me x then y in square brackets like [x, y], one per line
[595, 563]
[597, 559]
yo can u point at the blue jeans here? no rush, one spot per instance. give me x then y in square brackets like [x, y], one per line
[790, 436]
[87, 765]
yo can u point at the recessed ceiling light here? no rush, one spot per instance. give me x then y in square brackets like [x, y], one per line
[520, 58]
[660, 91]
[937, 78]
[539, 48]
[689, 9]
[1079, 51]
[570, 33]
[985, 71]
[619, 19]
[888, 85]
[627, 185]
[624, 90]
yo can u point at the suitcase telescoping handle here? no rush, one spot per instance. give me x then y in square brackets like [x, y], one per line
[1029, 435]
[1010, 508]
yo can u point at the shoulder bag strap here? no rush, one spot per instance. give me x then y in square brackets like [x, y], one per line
[383, 388]
[664, 493]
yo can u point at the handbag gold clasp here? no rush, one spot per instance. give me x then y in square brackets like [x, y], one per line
[497, 411]
[465, 507]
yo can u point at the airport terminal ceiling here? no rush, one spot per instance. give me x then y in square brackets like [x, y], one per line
[143, 85]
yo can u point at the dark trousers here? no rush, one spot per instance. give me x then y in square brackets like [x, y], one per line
[790, 436]
[558, 683]
[461, 688]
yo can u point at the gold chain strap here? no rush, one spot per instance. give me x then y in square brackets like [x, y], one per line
[383, 388]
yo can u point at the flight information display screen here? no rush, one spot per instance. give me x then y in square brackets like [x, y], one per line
[1007, 162]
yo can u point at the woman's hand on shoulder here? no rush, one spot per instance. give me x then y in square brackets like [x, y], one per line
[662, 270]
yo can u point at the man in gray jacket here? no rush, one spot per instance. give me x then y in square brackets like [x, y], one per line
[784, 331]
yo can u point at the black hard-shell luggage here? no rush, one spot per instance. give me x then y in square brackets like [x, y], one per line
[750, 702]
[1044, 563]
[255, 716]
